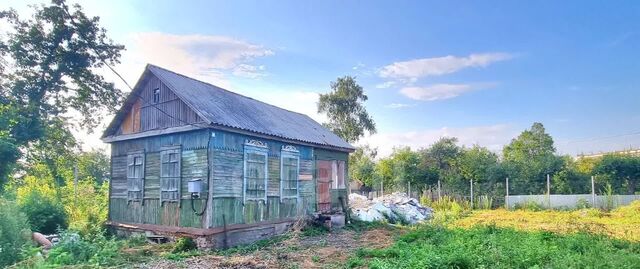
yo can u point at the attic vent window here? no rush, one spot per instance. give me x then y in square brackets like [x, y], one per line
[156, 95]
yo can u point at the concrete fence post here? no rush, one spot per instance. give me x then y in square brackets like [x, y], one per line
[506, 197]
[471, 184]
[548, 191]
[439, 193]
[593, 192]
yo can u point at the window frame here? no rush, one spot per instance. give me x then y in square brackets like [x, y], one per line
[131, 175]
[168, 151]
[259, 148]
[291, 153]
[155, 95]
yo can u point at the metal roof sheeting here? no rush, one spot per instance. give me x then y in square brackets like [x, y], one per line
[229, 109]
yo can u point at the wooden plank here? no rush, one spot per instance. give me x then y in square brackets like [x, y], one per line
[188, 218]
[226, 173]
[230, 207]
[151, 211]
[170, 214]
[152, 179]
[273, 183]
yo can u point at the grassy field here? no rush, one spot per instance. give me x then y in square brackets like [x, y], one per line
[454, 239]
[515, 239]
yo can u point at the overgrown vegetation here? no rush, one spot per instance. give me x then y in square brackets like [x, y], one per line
[493, 247]
[14, 232]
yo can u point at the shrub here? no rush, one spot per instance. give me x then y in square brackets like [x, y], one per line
[184, 244]
[485, 202]
[46, 215]
[14, 232]
[529, 205]
[582, 204]
[73, 249]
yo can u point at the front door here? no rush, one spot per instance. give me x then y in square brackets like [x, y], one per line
[324, 184]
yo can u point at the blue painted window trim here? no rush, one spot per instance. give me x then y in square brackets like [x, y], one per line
[248, 148]
[294, 155]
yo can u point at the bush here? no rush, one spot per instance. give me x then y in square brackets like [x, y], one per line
[14, 232]
[46, 215]
[582, 204]
[73, 249]
[184, 244]
[529, 205]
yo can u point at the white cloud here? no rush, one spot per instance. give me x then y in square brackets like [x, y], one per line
[205, 57]
[249, 71]
[438, 66]
[398, 105]
[386, 84]
[491, 136]
[436, 92]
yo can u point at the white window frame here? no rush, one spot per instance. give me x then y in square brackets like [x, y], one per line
[291, 153]
[168, 151]
[259, 148]
[135, 184]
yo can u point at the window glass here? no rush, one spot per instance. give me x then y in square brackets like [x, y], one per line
[289, 174]
[255, 174]
[156, 95]
[170, 175]
[337, 173]
[135, 176]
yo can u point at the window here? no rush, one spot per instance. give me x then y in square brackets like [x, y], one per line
[170, 174]
[135, 176]
[289, 170]
[156, 95]
[255, 172]
[337, 173]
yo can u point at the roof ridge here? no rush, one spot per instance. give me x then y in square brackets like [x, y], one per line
[241, 95]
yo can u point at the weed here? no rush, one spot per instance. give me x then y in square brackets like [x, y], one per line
[184, 244]
[529, 206]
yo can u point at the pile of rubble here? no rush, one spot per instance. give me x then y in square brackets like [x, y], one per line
[394, 208]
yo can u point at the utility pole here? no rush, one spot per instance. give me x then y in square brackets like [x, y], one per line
[506, 198]
[409, 189]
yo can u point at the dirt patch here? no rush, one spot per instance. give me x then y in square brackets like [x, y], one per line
[323, 251]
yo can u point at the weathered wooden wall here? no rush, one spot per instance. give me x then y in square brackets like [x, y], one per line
[145, 115]
[149, 211]
[227, 178]
[225, 166]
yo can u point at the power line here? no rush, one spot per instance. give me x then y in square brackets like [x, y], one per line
[154, 105]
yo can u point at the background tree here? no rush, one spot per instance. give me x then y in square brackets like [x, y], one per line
[362, 166]
[50, 71]
[406, 168]
[344, 107]
[529, 158]
[621, 171]
[438, 161]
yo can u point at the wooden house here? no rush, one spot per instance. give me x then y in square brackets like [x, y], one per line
[253, 168]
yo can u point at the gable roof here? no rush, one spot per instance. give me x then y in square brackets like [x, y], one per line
[220, 107]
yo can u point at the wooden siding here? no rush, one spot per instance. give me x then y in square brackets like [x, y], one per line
[226, 166]
[145, 115]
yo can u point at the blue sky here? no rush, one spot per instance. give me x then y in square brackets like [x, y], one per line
[481, 71]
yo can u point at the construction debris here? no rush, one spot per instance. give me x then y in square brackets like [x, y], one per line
[394, 208]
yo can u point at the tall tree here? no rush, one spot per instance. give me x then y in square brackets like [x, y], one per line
[51, 70]
[529, 157]
[344, 106]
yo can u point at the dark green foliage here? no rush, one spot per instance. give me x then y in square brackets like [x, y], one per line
[184, 244]
[491, 247]
[529, 158]
[45, 215]
[621, 171]
[14, 232]
[73, 249]
[528, 205]
[348, 118]
[55, 56]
